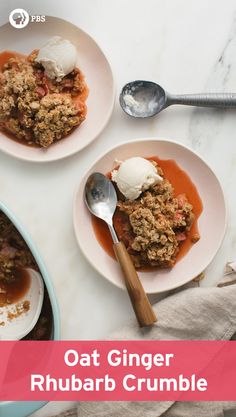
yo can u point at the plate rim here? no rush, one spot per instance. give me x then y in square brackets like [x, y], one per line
[135, 140]
[40, 159]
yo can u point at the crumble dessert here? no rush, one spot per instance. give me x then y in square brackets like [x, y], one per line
[35, 109]
[157, 211]
[155, 224]
[14, 253]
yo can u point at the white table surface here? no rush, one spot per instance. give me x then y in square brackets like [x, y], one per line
[186, 46]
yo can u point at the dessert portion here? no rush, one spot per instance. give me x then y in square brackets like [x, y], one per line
[154, 219]
[14, 257]
[14, 253]
[42, 96]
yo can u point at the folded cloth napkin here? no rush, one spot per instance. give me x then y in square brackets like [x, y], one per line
[192, 314]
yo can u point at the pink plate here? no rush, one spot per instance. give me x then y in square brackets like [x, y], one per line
[98, 76]
[212, 222]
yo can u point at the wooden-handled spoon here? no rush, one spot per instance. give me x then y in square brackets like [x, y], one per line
[101, 200]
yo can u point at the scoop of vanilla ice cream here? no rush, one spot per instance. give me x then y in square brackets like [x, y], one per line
[58, 57]
[134, 176]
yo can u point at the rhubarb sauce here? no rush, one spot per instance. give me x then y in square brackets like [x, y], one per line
[14, 290]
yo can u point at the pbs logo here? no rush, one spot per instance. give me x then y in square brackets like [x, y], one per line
[19, 18]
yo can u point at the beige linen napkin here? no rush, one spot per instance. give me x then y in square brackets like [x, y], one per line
[191, 314]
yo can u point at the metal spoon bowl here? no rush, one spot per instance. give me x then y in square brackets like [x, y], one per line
[143, 99]
[101, 199]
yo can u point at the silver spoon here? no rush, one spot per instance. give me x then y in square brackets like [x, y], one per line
[101, 200]
[145, 99]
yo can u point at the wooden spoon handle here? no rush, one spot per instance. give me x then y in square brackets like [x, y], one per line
[141, 305]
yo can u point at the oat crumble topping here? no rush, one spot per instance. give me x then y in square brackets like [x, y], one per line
[37, 110]
[155, 224]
